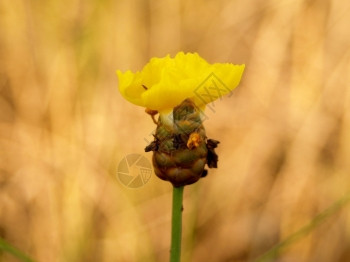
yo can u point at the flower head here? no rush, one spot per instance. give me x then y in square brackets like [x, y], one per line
[165, 82]
[169, 86]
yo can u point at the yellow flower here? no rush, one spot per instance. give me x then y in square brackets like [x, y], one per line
[165, 82]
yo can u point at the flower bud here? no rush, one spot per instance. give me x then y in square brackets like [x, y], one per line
[181, 149]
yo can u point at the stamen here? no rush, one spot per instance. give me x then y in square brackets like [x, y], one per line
[152, 113]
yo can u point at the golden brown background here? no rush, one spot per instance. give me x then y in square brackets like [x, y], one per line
[64, 127]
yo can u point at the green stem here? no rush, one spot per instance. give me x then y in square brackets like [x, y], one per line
[7, 247]
[176, 224]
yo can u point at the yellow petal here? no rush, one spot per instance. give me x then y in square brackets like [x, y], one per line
[165, 82]
[130, 87]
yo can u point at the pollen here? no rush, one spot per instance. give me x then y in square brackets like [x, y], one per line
[194, 140]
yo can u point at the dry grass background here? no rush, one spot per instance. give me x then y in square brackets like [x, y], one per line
[285, 133]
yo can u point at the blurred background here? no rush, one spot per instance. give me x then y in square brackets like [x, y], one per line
[284, 155]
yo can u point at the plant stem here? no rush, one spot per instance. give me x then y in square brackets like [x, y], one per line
[7, 247]
[176, 224]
